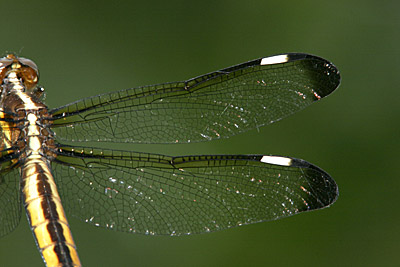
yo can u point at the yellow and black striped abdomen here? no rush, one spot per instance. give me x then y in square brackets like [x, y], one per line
[46, 215]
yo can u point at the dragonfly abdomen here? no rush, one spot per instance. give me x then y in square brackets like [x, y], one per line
[46, 215]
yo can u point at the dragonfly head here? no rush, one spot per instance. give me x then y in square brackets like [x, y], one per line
[26, 70]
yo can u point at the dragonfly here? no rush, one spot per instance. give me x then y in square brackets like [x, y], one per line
[47, 163]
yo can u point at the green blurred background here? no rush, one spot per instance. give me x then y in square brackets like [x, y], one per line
[84, 48]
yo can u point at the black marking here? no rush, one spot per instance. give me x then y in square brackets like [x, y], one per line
[55, 231]
[63, 254]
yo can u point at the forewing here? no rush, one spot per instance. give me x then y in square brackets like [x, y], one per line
[216, 105]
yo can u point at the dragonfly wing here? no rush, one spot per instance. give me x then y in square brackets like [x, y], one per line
[216, 105]
[10, 201]
[156, 194]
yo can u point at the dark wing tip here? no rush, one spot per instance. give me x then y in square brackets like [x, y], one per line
[326, 189]
[319, 190]
[325, 74]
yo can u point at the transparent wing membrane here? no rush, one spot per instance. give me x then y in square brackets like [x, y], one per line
[10, 202]
[216, 105]
[156, 194]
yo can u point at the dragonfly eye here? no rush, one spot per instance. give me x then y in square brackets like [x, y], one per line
[29, 73]
[28, 63]
[5, 62]
[29, 77]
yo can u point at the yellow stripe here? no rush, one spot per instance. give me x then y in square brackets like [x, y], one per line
[7, 129]
[51, 257]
